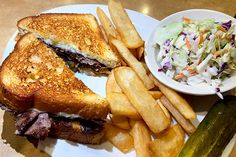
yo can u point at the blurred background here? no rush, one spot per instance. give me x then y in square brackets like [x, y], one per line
[13, 10]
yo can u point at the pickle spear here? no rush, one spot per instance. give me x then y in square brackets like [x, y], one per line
[214, 132]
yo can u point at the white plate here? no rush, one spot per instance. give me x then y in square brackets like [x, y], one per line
[144, 25]
[151, 55]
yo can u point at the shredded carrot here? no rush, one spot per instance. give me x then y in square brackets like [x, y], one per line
[179, 76]
[221, 28]
[191, 71]
[186, 19]
[188, 44]
[201, 38]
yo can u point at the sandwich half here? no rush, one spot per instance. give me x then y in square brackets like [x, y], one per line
[76, 38]
[43, 92]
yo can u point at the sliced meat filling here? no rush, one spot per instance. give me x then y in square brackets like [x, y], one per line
[40, 125]
[25, 120]
[33, 124]
[36, 125]
[77, 61]
[40, 128]
[87, 132]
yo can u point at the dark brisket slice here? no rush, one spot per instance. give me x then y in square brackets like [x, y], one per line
[25, 120]
[74, 130]
[91, 126]
[78, 60]
[40, 127]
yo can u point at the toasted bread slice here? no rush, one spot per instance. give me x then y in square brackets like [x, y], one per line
[77, 33]
[33, 76]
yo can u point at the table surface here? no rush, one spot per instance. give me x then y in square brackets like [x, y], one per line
[13, 10]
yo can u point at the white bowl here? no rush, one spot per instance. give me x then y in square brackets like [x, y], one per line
[151, 53]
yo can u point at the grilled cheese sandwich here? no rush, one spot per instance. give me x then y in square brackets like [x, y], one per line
[74, 37]
[46, 97]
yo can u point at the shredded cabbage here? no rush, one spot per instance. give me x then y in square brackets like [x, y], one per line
[195, 52]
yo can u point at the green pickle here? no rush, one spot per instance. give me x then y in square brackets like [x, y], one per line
[214, 132]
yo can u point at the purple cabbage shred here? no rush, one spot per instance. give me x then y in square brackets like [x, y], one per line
[160, 70]
[217, 90]
[167, 65]
[222, 68]
[167, 42]
[232, 40]
[227, 25]
[183, 33]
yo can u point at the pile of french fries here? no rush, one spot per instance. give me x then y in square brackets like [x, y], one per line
[142, 109]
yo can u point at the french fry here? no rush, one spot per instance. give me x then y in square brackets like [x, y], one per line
[163, 108]
[155, 94]
[133, 63]
[107, 25]
[124, 26]
[140, 98]
[142, 137]
[120, 105]
[186, 124]
[113, 48]
[145, 67]
[120, 138]
[179, 102]
[103, 33]
[111, 85]
[120, 121]
[168, 144]
[140, 51]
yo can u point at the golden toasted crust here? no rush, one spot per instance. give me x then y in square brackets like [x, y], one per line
[33, 76]
[78, 31]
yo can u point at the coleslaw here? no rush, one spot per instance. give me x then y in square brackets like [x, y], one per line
[197, 52]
